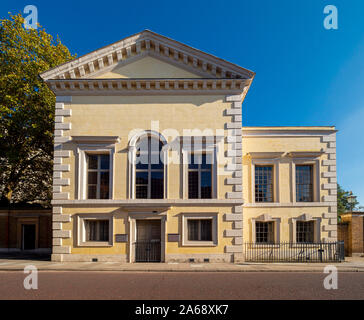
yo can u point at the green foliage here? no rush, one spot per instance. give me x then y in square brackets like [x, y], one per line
[26, 110]
[343, 204]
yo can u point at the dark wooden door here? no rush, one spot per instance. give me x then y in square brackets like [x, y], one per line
[148, 243]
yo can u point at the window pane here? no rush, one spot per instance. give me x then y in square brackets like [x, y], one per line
[104, 161]
[97, 230]
[263, 183]
[264, 232]
[92, 177]
[141, 177]
[206, 185]
[143, 145]
[104, 185]
[155, 145]
[304, 183]
[104, 230]
[305, 231]
[207, 161]
[142, 160]
[193, 185]
[206, 230]
[141, 192]
[192, 226]
[92, 161]
[157, 185]
[156, 162]
[91, 230]
[148, 159]
[91, 192]
[193, 161]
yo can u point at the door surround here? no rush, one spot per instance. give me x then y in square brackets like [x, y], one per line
[133, 216]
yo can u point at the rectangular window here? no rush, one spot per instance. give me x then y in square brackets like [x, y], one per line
[200, 176]
[97, 230]
[199, 229]
[98, 176]
[264, 232]
[304, 183]
[263, 183]
[304, 231]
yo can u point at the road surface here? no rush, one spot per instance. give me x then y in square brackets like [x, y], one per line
[181, 285]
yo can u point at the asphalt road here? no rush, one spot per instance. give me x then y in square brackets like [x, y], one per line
[181, 286]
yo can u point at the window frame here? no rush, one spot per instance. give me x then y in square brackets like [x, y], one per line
[149, 170]
[255, 185]
[276, 228]
[98, 229]
[265, 162]
[189, 148]
[306, 217]
[132, 149]
[199, 229]
[98, 171]
[81, 230]
[82, 152]
[312, 232]
[315, 175]
[200, 216]
[199, 171]
[312, 194]
[269, 236]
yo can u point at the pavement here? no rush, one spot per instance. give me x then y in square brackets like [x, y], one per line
[18, 263]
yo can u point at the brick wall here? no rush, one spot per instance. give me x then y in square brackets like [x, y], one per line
[10, 227]
[343, 235]
[357, 234]
[351, 230]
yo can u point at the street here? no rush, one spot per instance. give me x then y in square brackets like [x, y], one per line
[181, 285]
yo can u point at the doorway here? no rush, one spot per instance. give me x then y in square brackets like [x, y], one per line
[148, 241]
[28, 236]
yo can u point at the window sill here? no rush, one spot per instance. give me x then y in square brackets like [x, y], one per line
[199, 244]
[95, 244]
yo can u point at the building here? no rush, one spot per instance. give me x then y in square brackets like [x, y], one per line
[25, 228]
[152, 163]
[351, 231]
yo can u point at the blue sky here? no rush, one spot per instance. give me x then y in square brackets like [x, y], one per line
[305, 74]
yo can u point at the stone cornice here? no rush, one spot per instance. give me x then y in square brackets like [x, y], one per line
[96, 139]
[147, 43]
[72, 87]
[150, 202]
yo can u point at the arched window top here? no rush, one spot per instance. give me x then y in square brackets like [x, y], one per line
[148, 165]
[144, 134]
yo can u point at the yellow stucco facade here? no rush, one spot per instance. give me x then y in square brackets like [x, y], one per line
[150, 87]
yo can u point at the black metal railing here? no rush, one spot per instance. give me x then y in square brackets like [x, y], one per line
[148, 251]
[295, 252]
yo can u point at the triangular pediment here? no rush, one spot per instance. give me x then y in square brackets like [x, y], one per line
[145, 67]
[161, 57]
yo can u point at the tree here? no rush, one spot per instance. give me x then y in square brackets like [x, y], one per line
[26, 111]
[343, 204]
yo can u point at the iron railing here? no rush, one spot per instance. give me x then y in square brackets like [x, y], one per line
[148, 251]
[295, 252]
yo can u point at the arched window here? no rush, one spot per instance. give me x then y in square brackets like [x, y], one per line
[149, 168]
